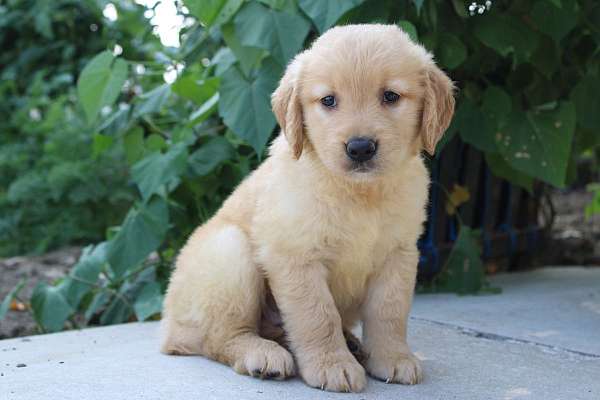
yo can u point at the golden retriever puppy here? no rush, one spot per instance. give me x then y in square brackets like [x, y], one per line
[324, 233]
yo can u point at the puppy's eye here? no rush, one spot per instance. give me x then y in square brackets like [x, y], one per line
[390, 97]
[329, 101]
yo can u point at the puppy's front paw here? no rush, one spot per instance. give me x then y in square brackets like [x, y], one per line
[398, 367]
[335, 372]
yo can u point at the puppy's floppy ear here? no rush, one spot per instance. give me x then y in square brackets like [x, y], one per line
[287, 107]
[438, 107]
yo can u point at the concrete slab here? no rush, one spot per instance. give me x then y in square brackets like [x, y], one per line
[122, 362]
[461, 361]
[553, 306]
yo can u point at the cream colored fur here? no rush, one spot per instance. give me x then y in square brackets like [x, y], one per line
[333, 246]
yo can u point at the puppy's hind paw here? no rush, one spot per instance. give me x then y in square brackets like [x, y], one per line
[267, 361]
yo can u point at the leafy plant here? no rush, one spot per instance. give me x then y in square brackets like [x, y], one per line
[593, 208]
[57, 184]
[527, 73]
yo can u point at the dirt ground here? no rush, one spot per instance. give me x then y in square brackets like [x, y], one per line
[576, 241]
[45, 268]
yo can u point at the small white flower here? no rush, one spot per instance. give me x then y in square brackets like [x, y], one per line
[117, 50]
[110, 12]
[35, 114]
[476, 8]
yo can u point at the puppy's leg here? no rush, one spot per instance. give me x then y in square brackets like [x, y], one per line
[314, 329]
[384, 321]
[212, 306]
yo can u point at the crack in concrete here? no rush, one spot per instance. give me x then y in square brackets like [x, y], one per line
[501, 338]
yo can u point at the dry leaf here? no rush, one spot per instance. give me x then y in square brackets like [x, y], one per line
[458, 196]
[17, 306]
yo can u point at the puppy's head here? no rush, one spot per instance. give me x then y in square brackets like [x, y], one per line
[365, 98]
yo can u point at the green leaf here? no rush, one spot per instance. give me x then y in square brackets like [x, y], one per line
[452, 52]
[211, 154]
[213, 12]
[155, 142]
[546, 57]
[539, 143]
[5, 305]
[100, 83]
[223, 60]
[191, 88]
[325, 14]
[460, 8]
[506, 34]
[280, 33]
[101, 144]
[244, 104]
[591, 209]
[142, 232]
[98, 301]
[50, 308]
[552, 20]
[84, 275]
[496, 107]
[205, 111]
[419, 5]
[410, 29]
[288, 5]
[249, 57]
[117, 312]
[148, 302]
[586, 96]
[156, 170]
[133, 142]
[464, 272]
[153, 101]
[503, 170]
[474, 127]
[446, 138]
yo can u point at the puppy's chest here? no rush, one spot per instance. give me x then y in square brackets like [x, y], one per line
[356, 242]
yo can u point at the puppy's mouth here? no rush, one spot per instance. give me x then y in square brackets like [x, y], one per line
[362, 167]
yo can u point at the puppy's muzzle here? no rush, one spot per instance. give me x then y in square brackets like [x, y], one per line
[361, 149]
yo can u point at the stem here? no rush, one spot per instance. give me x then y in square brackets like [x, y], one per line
[134, 272]
[106, 289]
[155, 127]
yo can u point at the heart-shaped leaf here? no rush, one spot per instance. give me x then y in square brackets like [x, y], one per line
[280, 33]
[325, 14]
[100, 83]
[244, 103]
[539, 143]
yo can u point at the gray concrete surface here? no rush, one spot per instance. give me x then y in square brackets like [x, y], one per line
[552, 306]
[478, 347]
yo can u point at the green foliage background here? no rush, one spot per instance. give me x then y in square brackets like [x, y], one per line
[92, 142]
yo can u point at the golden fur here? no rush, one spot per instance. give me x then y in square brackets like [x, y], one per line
[331, 245]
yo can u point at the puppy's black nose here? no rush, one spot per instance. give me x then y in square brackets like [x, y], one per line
[361, 149]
